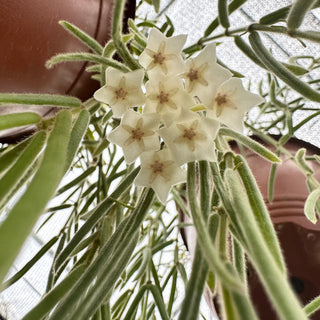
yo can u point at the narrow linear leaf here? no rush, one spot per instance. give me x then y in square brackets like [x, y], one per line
[78, 131]
[121, 303]
[233, 6]
[77, 180]
[20, 220]
[146, 258]
[277, 287]
[172, 291]
[275, 16]
[96, 215]
[12, 177]
[159, 301]
[279, 70]
[156, 4]
[297, 13]
[256, 147]
[30, 263]
[58, 208]
[246, 49]
[106, 268]
[223, 13]
[39, 99]
[260, 211]
[301, 160]
[9, 157]
[18, 119]
[90, 42]
[310, 205]
[90, 57]
[55, 295]
[271, 182]
[312, 306]
[116, 32]
[211, 254]
[135, 302]
[295, 69]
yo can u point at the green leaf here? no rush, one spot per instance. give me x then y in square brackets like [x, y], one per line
[223, 13]
[13, 176]
[90, 42]
[156, 4]
[295, 69]
[159, 301]
[280, 71]
[77, 133]
[271, 182]
[233, 6]
[79, 179]
[312, 306]
[210, 252]
[18, 119]
[297, 13]
[310, 205]
[256, 147]
[21, 219]
[39, 99]
[275, 16]
[96, 215]
[300, 158]
[135, 302]
[30, 263]
[107, 266]
[90, 57]
[260, 211]
[146, 258]
[272, 277]
[8, 157]
[48, 302]
[246, 49]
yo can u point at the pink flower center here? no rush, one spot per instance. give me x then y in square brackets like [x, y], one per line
[193, 75]
[221, 99]
[121, 94]
[157, 167]
[158, 58]
[163, 97]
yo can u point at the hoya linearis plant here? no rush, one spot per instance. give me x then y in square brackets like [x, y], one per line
[161, 121]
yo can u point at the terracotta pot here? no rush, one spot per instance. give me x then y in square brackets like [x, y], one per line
[31, 35]
[299, 238]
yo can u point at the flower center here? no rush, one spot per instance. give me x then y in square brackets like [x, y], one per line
[163, 97]
[221, 99]
[121, 94]
[193, 74]
[189, 134]
[158, 58]
[156, 167]
[137, 134]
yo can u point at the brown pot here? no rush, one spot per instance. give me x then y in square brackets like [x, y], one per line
[299, 238]
[30, 35]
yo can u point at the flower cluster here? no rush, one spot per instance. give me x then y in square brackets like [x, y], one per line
[160, 121]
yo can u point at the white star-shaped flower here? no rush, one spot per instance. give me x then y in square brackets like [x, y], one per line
[160, 172]
[166, 96]
[136, 134]
[163, 54]
[191, 138]
[122, 90]
[203, 72]
[229, 103]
